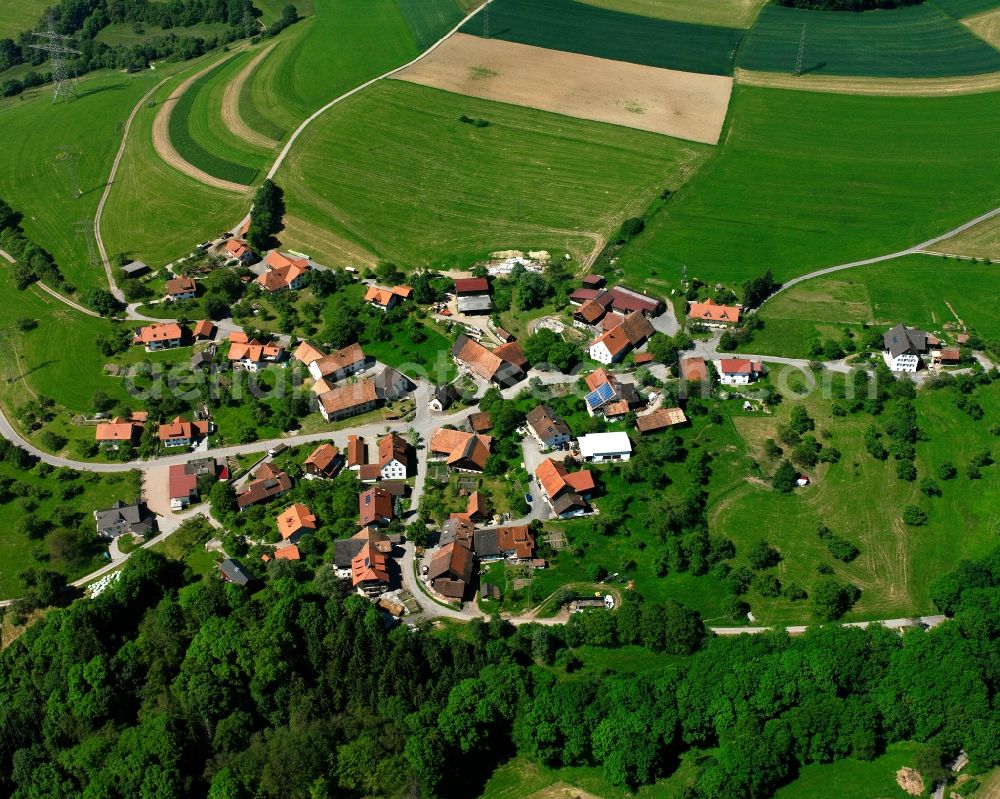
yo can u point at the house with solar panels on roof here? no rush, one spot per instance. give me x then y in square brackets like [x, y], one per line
[609, 397]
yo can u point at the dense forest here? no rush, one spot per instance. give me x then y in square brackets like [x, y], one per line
[163, 687]
[85, 19]
[846, 5]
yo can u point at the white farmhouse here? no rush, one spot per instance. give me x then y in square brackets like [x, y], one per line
[738, 371]
[902, 348]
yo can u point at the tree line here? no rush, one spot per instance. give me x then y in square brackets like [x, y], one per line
[170, 688]
[32, 262]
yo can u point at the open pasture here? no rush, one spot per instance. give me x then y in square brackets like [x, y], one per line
[423, 188]
[154, 212]
[961, 9]
[21, 16]
[922, 291]
[342, 45]
[725, 13]
[589, 30]
[681, 104]
[51, 151]
[429, 20]
[913, 42]
[986, 26]
[805, 180]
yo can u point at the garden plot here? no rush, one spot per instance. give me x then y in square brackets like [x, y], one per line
[685, 105]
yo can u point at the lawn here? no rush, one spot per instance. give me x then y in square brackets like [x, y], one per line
[792, 188]
[42, 143]
[578, 28]
[916, 290]
[23, 15]
[46, 502]
[429, 359]
[422, 188]
[323, 56]
[202, 138]
[726, 13]
[429, 20]
[913, 42]
[271, 9]
[146, 188]
[852, 779]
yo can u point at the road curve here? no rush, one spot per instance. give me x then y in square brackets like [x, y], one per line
[112, 283]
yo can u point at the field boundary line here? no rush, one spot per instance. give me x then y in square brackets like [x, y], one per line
[871, 86]
[46, 288]
[165, 147]
[316, 114]
[917, 249]
[230, 110]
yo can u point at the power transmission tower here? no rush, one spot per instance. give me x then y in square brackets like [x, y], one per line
[85, 228]
[801, 53]
[67, 155]
[56, 45]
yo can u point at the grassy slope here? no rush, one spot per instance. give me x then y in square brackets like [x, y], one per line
[422, 187]
[979, 241]
[916, 290]
[966, 8]
[155, 213]
[21, 16]
[204, 122]
[123, 33]
[918, 41]
[574, 27]
[852, 779]
[323, 56]
[99, 491]
[31, 179]
[271, 9]
[429, 20]
[725, 13]
[806, 180]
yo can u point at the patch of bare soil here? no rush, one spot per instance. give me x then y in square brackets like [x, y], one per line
[881, 87]
[681, 104]
[910, 781]
[165, 148]
[231, 104]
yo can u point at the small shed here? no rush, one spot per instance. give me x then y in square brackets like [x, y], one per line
[135, 269]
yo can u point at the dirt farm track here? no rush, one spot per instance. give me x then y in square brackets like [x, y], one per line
[685, 105]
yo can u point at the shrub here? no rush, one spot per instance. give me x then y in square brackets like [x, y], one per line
[784, 478]
[842, 549]
[914, 516]
[947, 471]
[762, 555]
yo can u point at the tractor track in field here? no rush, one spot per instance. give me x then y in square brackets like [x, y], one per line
[231, 104]
[165, 148]
[876, 87]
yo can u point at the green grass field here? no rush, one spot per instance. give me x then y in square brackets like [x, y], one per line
[578, 28]
[17, 552]
[429, 20]
[921, 291]
[805, 180]
[36, 182]
[185, 211]
[918, 41]
[271, 9]
[960, 9]
[341, 46]
[853, 779]
[209, 146]
[422, 188]
[21, 16]
[725, 13]
[205, 125]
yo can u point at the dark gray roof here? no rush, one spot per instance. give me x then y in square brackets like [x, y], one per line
[902, 339]
[446, 395]
[135, 515]
[474, 304]
[486, 544]
[345, 550]
[546, 422]
[235, 572]
[391, 384]
[134, 268]
[568, 501]
[202, 466]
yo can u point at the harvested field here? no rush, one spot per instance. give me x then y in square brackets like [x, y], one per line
[231, 104]
[165, 148]
[685, 105]
[875, 87]
[986, 26]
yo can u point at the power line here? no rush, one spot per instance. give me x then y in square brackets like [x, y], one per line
[67, 155]
[801, 53]
[56, 45]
